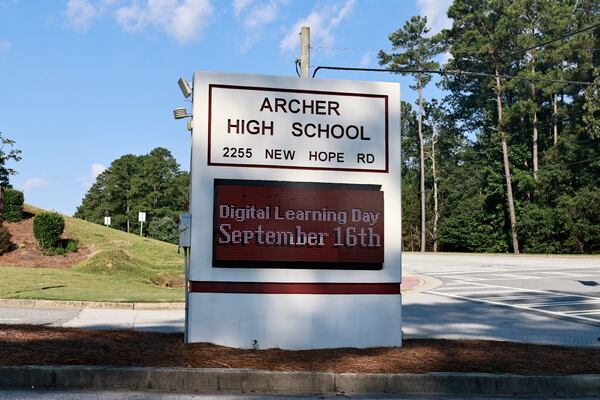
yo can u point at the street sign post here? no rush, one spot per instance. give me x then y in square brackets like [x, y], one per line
[141, 220]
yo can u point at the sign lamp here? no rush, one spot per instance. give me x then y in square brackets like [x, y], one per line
[185, 87]
[180, 113]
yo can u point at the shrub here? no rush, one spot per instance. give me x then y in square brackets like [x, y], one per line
[5, 243]
[13, 205]
[72, 246]
[56, 251]
[47, 228]
[164, 228]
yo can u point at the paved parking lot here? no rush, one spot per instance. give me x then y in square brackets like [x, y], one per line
[509, 286]
[532, 299]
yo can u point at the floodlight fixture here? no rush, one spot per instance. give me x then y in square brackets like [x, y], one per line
[185, 87]
[180, 113]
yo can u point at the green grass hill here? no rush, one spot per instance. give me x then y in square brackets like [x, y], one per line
[120, 267]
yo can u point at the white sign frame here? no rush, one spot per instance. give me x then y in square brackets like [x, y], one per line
[266, 121]
[294, 321]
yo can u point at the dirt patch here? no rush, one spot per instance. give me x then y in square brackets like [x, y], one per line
[25, 345]
[27, 253]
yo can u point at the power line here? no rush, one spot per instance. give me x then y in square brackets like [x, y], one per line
[452, 72]
[343, 48]
[556, 39]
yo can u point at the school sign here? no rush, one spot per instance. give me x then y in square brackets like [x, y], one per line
[295, 239]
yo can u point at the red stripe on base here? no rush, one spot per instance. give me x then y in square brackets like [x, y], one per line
[294, 288]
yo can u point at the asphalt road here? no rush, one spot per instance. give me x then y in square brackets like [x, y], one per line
[534, 299]
[105, 395]
[531, 299]
[566, 288]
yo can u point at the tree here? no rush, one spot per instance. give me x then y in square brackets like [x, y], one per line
[153, 183]
[7, 153]
[480, 36]
[416, 52]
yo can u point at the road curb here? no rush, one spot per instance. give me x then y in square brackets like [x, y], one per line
[307, 383]
[90, 304]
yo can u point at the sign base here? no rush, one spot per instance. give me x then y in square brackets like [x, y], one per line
[296, 321]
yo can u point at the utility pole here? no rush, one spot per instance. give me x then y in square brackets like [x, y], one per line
[305, 52]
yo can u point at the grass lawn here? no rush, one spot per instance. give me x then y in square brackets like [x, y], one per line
[122, 267]
[65, 284]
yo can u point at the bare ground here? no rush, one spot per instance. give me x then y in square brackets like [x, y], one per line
[28, 345]
[28, 254]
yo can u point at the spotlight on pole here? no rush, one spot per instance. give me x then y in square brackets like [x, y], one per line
[185, 87]
[180, 113]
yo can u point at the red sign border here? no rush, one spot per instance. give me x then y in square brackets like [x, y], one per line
[270, 89]
[348, 266]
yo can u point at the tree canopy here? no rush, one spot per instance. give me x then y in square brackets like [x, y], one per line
[548, 122]
[153, 183]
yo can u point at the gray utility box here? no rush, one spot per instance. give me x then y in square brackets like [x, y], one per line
[185, 230]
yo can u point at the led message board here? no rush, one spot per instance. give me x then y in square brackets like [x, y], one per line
[262, 224]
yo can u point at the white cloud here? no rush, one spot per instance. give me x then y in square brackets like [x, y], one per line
[5, 45]
[35, 183]
[322, 23]
[81, 13]
[255, 16]
[240, 5]
[261, 15]
[365, 60]
[97, 169]
[88, 180]
[436, 13]
[184, 20]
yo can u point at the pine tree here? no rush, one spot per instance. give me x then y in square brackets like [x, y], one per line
[412, 49]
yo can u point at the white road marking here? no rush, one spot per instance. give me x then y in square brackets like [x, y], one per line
[517, 306]
[484, 270]
[583, 312]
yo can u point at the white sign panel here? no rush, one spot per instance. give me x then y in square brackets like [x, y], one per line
[276, 157]
[294, 128]
[142, 216]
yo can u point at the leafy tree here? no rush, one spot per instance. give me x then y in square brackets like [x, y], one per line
[481, 34]
[7, 153]
[413, 49]
[153, 183]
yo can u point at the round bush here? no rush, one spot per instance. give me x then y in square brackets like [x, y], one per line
[5, 243]
[13, 205]
[47, 228]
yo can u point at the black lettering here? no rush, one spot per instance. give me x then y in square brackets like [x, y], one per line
[306, 130]
[253, 127]
[340, 128]
[320, 107]
[268, 128]
[236, 126]
[280, 103]
[333, 106]
[266, 105]
[297, 129]
[348, 131]
[294, 110]
[362, 134]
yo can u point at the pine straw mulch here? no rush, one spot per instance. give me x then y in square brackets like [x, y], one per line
[29, 345]
[28, 254]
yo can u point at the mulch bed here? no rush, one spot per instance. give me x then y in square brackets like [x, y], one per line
[28, 345]
[27, 253]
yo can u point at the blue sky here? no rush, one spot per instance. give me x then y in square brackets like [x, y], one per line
[83, 82]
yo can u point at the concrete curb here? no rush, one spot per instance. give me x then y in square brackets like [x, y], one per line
[307, 383]
[89, 304]
[426, 283]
